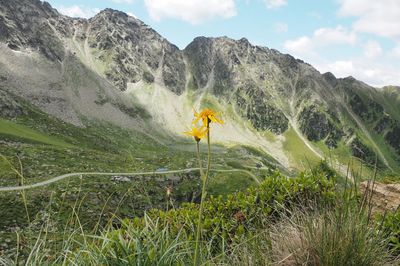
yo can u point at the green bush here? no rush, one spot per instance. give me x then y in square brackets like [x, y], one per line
[303, 220]
[336, 236]
[390, 223]
[231, 219]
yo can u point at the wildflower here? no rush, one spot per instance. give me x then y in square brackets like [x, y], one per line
[197, 133]
[169, 191]
[207, 116]
[239, 217]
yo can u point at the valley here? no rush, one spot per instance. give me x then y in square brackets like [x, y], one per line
[93, 114]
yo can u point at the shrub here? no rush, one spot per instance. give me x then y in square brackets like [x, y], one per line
[240, 215]
[150, 244]
[324, 237]
[390, 223]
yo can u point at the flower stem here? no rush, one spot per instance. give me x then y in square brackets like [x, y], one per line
[203, 196]
[199, 160]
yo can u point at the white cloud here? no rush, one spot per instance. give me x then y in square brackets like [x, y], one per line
[193, 11]
[315, 15]
[338, 35]
[373, 65]
[381, 17]
[341, 68]
[372, 49]
[281, 27]
[76, 11]
[396, 51]
[373, 72]
[273, 4]
[322, 37]
[123, 1]
[299, 46]
[131, 14]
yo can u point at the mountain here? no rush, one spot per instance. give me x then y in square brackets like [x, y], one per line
[114, 71]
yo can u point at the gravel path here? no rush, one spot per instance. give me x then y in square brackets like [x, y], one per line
[61, 177]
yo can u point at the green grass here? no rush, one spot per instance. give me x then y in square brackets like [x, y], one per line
[389, 153]
[343, 156]
[48, 147]
[228, 183]
[12, 129]
[269, 136]
[322, 238]
[300, 154]
[390, 103]
[306, 220]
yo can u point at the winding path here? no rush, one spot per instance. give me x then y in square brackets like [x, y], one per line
[61, 177]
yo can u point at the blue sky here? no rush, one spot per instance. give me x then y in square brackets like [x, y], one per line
[347, 37]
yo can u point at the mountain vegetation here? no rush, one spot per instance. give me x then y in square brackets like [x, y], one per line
[92, 115]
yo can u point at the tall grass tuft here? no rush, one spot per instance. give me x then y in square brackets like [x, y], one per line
[342, 234]
[334, 237]
[21, 180]
[150, 245]
[298, 221]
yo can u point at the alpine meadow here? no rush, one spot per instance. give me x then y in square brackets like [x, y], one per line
[119, 148]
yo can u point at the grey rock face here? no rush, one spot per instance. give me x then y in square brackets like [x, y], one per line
[367, 109]
[9, 108]
[200, 54]
[134, 51]
[330, 78]
[235, 71]
[31, 23]
[393, 138]
[384, 123]
[378, 109]
[87, 63]
[317, 125]
[365, 153]
[260, 112]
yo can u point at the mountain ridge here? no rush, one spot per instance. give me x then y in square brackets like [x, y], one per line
[115, 68]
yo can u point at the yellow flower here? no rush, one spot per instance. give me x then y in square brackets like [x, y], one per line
[197, 133]
[169, 191]
[207, 116]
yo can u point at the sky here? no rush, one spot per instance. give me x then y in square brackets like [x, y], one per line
[359, 38]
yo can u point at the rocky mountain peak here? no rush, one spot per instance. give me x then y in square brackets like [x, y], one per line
[330, 78]
[131, 51]
[31, 24]
[18, 8]
[113, 16]
[268, 90]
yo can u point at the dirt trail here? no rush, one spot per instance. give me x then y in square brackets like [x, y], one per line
[61, 177]
[385, 197]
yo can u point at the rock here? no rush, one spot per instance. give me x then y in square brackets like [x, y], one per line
[121, 179]
[27, 25]
[10, 108]
[317, 125]
[368, 109]
[137, 51]
[385, 197]
[330, 78]
[82, 65]
[365, 153]
[384, 123]
[393, 138]
[254, 105]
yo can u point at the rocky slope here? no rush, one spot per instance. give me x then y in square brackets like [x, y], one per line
[385, 197]
[114, 68]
